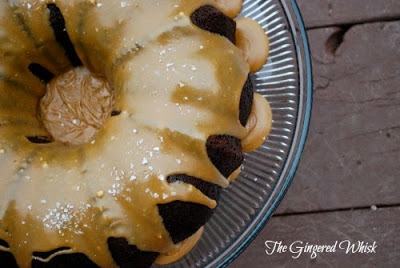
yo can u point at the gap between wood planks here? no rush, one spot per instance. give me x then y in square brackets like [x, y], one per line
[372, 207]
[336, 39]
[349, 25]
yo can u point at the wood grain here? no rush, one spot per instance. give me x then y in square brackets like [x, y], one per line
[352, 154]
[322, 13]
[324, 229]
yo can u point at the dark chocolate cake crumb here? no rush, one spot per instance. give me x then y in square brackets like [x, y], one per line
[246, 101]
[65, 261]
[209, 189]
[183, 219]
[211, 19]
[7, 260]
[128, 256]
[225, 152]
[40, 72]
[57, 22]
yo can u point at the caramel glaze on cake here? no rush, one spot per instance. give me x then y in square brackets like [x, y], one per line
[145, 180]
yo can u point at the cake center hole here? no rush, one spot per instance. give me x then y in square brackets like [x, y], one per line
[76, 105]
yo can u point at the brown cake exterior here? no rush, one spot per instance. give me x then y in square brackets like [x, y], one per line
[181, 219]
[209, 18]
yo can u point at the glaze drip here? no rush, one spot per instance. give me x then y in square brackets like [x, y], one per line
[174, 84]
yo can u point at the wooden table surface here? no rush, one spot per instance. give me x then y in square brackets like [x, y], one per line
[348, 182]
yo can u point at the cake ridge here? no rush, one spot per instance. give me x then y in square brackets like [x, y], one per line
[173, 98]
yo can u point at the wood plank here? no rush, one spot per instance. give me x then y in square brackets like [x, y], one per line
[352, 154]
[320, 13]
[367, 225]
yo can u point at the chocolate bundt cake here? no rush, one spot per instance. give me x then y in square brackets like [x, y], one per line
[120, 123]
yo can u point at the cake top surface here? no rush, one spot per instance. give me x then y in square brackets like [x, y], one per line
[175, 86]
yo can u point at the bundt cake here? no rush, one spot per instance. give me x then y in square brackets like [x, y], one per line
[120, 122]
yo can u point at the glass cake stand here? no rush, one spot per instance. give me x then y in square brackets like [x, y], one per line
[285, 80]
